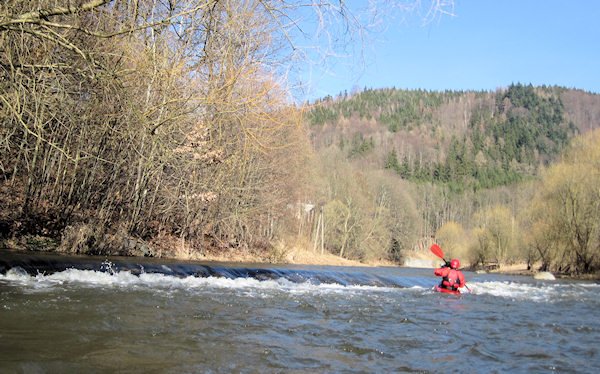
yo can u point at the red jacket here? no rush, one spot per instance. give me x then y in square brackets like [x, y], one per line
[452, 278]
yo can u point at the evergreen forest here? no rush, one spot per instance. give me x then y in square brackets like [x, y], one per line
[460, 168]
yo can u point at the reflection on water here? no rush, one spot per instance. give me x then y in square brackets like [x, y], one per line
[108, 321]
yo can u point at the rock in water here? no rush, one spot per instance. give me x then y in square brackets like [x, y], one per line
[544, 275]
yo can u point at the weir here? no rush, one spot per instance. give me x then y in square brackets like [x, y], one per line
[43, 263]
[98, 314]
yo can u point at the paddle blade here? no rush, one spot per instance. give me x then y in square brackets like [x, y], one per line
[437, 250]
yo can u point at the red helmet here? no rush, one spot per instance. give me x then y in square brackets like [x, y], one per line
[454, 264]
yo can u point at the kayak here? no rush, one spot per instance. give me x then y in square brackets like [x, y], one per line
[445, 290]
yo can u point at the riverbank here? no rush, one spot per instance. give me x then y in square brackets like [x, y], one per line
[281, 253]
[295, 255]
[298, 253]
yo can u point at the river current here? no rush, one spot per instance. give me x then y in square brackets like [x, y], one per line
[70, 315]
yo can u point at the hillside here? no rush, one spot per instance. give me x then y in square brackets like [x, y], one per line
[400, 169]
[475, 140]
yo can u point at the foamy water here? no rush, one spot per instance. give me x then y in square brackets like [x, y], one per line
[529, 290]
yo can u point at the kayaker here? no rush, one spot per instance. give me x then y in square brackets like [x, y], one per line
[452, 278]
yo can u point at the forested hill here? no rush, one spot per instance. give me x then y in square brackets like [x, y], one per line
[465, 139]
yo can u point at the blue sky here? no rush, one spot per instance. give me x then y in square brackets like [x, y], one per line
[486, 45]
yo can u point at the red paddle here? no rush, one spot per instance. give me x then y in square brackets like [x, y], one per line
[436, 250]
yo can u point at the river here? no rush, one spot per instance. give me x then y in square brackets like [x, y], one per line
[74, 315]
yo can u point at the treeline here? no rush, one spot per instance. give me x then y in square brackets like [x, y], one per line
[459, 171]
[557, 227]
[464, 178]
[168, 128]
[504, 142]
[393, 108]
[154, 122]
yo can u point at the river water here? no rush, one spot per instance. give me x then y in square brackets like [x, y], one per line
[64, 315]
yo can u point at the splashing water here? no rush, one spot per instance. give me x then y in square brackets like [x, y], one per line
[158, 318]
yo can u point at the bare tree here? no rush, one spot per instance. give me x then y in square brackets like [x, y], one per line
[157, 119]
[565, 210]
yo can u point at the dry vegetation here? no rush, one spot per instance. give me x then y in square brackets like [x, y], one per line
[158, 128]
[159, 122]
[542, 216]
[169, 129]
